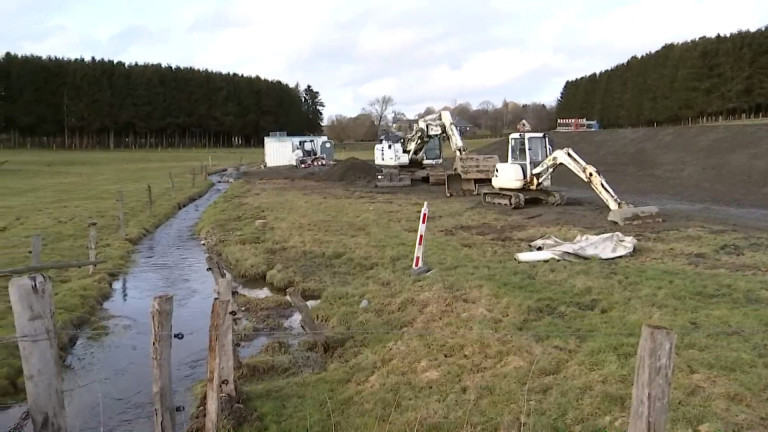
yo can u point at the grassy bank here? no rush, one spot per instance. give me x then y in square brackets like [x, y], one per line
[484, 342]
[56, 193]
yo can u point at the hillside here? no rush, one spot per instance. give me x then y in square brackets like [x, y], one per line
[723, 165]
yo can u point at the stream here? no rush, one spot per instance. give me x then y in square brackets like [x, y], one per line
[108, 376]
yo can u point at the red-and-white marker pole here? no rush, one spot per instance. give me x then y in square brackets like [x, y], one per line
[418, 254]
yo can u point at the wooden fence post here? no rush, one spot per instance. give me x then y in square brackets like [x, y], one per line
[653, 379]
[226, 341]
[194, 174]
[162, 393]
[92, 244]
[173, 187]
[149, 193]
[223, 291]
[37, 248]
[213, 385]
[33, 314]
[121, 214]
[308, 323]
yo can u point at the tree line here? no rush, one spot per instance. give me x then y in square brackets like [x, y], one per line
[703, 80]
[381, 116]
[78, 103]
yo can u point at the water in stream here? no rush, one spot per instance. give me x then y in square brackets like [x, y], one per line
[108, 380]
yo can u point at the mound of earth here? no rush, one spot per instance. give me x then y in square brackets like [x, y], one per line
[352, 170]
[718, 164]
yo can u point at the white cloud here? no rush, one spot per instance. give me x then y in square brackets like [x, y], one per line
[421, 52]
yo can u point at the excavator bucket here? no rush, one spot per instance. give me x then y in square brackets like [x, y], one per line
[470, 171]
[634, 215]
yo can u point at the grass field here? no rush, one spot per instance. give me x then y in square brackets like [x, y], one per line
[56, 193]
[485, 343]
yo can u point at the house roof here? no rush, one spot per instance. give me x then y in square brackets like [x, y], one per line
[460, 122]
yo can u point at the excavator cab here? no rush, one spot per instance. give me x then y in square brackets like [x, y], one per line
[529, 151]
[433, 150]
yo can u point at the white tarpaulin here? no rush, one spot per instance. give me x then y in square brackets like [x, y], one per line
[603, 246]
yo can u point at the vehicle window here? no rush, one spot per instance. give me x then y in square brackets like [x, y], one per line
[432, 150]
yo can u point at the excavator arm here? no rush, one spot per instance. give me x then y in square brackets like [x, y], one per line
[439, 123]
[457, 145]
[621, 212]
[586, 172]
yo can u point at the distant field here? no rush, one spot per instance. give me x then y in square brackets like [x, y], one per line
[56, 193]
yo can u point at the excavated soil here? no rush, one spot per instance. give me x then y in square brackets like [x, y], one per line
[718, 165]
[352, 170]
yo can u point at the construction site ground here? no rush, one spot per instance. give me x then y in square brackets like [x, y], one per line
[486, 343]
[705, 173]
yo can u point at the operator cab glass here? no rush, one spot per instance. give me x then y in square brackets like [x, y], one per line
[537, 147]
[433, 149]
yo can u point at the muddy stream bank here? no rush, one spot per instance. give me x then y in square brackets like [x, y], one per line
[108, 374]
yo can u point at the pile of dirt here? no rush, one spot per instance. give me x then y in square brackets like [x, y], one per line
[352, 170]
[721, 164]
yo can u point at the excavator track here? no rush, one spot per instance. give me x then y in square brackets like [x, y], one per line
[436, 175]
[511, 199]
[517, 199]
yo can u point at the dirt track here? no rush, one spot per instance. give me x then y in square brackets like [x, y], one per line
[720, 165]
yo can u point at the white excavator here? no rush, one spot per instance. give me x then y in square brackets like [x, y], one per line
[419, 156]
[527, 176]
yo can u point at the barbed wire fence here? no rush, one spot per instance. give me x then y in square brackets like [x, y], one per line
[33, 274]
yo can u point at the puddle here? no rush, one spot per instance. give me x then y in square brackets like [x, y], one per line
[258, 289]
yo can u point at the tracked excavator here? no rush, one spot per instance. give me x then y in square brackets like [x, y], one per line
[419, 156]
[527, 176]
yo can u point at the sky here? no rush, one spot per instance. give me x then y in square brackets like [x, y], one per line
[422, 53]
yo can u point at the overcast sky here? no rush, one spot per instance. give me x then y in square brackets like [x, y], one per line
[420, 52]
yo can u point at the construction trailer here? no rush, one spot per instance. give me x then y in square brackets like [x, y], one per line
[280, 149]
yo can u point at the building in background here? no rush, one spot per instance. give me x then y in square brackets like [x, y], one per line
[462, 125]
[577, 124]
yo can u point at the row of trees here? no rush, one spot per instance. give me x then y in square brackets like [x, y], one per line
[709, 78]
[486, 119]
[76, 103]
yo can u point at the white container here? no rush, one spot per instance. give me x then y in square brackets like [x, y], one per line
[278, 151]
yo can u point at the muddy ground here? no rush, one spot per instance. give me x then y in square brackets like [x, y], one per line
[716, 165]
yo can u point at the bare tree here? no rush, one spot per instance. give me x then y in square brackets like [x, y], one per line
[486, 105]
[379, 108]
[485, 108]
[427, 111]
